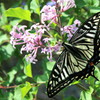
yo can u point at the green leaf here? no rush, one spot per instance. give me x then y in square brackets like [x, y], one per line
[17, 93]
[86, 95]
[94, 9]
[6, 52]
[3, 38]
[34, 90]
[97, 73]
[25, 89]
[11, 75]
[50, 65]
[15, 22]
[41, 78]
[79, 3]
[9, 49]
[10, 97]
[75, 82]
[3, 18]
[19, 13]
[70, 21]
[94, 3]
[35, 6]
[28, 70]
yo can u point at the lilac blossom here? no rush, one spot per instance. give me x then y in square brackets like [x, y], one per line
[32, 42]
[34, 39]
[48, 13]
[51, 49]
[66, 4]
[46, 39]
[77, 22]
[71, 29]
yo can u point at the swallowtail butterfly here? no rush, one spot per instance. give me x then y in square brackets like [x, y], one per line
[78, 58]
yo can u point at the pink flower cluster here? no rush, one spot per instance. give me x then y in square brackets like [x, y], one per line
[71, 29]
[50, 13]
[32, 42]
[39, 38]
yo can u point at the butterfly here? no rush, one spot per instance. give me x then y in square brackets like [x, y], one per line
[78, 58]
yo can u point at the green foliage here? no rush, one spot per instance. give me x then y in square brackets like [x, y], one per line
[17, 73]
[28, 70]
[3, 20]
[19, 13]
[86, 95]
[35, 6]
[50, 65]
[80, 3]
[17, 93]
[25, 89]
[69, 98]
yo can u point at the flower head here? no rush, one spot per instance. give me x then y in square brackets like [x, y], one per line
[48, 13]
[66, 4]
[38, 36]
[31, 41]
[71, 29]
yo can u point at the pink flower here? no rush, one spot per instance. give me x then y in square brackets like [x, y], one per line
[46, 39]
[71, 29]
[50, 49]
[44, 50]
[66, 4]
[48, 13]
[34, 39]
[32, 56]
[77, 22]
[31, 41]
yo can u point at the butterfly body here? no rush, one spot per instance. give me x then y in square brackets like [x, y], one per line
[78, 58]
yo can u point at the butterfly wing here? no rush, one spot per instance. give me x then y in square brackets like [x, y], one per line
[86, 33]
[74, 66]
[66, 69]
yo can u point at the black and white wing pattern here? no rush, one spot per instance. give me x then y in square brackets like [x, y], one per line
[78, 58]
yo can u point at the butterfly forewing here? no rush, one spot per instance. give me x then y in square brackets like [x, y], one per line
[86, 33]
[78, 58]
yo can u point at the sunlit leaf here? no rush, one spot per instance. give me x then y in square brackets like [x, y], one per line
[50, 65]
[35, 6]
[19, 13]
[28, 70]
[25, 89]
[94, 9]
[97, 73]
[86, 95]
[17, 93]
